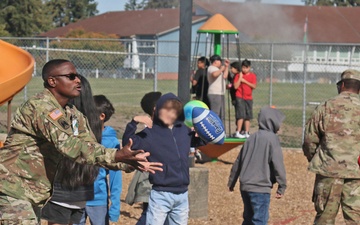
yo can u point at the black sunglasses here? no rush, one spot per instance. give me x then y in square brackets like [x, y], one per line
[70, 76]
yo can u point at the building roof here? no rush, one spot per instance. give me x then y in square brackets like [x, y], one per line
[128, 23]
[285, 23]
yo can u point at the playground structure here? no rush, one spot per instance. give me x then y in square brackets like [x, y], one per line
[217, 31]
[16, 68]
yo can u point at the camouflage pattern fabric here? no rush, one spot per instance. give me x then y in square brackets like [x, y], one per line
[332, 137]
[15, 212]
[330, 193]
[42, 133]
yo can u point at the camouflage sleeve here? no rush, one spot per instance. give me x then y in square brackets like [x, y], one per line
[82, 150]
[313, 132]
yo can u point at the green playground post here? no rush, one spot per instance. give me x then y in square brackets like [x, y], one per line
[217, 44]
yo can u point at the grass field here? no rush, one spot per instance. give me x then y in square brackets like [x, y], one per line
[125, 94]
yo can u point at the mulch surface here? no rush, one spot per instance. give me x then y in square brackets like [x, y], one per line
[226, 208]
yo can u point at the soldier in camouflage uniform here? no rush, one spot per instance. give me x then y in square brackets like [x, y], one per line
[44, 130]
[332, 147]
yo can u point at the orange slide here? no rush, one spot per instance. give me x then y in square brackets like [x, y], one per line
[16, 68]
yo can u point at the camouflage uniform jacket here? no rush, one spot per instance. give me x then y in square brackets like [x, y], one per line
[42, 133]
[332, 137]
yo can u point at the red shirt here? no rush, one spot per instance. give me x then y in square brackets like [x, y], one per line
[245, 91]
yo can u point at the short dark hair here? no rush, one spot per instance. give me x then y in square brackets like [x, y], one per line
[50, 65]
[236, 65]
[204, 60]
[246, 63]
[174, 104]
[103, 105]
[214, 58]
[351, 84]
[148, 102]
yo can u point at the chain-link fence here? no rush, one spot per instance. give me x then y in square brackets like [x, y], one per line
[292, 77]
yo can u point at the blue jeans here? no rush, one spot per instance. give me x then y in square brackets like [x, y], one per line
[256, 208]
[142, 219]
[98, 215]
[164, 205]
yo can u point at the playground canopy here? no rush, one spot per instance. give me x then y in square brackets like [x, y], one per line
[218, 24]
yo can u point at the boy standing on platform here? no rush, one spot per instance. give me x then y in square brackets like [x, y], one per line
[244, 83]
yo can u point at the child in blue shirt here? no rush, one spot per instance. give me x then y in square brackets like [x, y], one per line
[97, 209]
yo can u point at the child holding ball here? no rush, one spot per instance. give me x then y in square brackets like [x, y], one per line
[168, 140]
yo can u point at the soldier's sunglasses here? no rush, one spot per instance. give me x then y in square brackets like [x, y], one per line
[70, 76]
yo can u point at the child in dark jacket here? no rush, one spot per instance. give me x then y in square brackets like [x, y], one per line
[169, 142]
[260, 164]
[140, 187]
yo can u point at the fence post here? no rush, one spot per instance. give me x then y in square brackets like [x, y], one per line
[351, 56]
[271, 72]
[143, 70]
[156, 66]
[47, 49]
[25, 93]
[304, 91]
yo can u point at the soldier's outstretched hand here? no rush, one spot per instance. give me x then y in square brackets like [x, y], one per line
[150, 167]
[137, 159]
[127, 155]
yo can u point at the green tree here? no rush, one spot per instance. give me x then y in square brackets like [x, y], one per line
[132, 5]
[90, 60]
[333, 2]
[24, 18]
[3, 32]
[64, 12]
[157, 4]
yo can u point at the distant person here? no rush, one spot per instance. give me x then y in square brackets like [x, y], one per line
[169, 141]
[230, 87]
[105, 206]
[200, 84]
[217, 75]
[332, 147]
[260, 165]
[244, 84]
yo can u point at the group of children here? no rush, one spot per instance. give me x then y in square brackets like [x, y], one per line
[165, 136]
[242, 82]
[260, 162]
[168, 140]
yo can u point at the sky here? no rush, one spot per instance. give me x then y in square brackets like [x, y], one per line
[117, 5]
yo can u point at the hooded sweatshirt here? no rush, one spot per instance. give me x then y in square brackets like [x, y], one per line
[102, 187]
[260, 163]
[170, 146]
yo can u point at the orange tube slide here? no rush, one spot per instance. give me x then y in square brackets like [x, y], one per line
[16, 68]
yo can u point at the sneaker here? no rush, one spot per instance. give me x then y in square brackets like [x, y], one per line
[247, 135]
[241, 136]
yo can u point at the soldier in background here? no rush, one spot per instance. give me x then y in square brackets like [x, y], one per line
[44, 130]
[332, 147]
